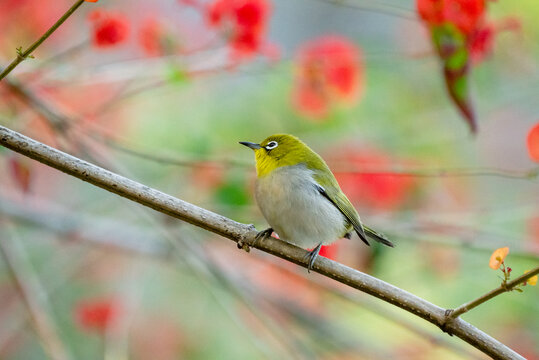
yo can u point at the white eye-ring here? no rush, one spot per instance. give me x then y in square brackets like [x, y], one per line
[271, 145]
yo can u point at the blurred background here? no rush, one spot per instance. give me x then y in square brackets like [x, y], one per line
[162, 91]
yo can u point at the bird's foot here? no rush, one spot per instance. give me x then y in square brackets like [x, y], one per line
[263, 234]
[311, 257]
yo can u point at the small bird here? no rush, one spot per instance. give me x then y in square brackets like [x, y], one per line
[300, 197]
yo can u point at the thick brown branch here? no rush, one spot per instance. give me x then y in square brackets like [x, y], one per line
[242, 233]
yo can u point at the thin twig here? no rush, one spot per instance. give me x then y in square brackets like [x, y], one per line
[31, 291]
[22, 55]
[244, 235]
[504, 287]
[340, 168]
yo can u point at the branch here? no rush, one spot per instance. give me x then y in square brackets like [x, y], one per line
[504, 287]
[245, 235]
[21, 56]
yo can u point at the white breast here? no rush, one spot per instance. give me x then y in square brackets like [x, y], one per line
[295, 209]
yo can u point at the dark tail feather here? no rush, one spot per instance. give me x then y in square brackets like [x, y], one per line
[381, 238]
[361, 233]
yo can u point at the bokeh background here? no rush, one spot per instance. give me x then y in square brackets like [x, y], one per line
[162, 91]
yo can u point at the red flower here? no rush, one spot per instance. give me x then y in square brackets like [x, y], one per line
[533, 142]
[464, 14]
[329, 71]
[481, 42]
[97, 314]
[244, 21]
[372, 189]
[329, 251]
[109, 28]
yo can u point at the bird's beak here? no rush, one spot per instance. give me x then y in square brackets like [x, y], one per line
[251, 145]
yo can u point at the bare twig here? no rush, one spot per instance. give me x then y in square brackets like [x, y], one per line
[22, 55]
[340, 168]
[245, 235]
[30, 291]
[504, 287]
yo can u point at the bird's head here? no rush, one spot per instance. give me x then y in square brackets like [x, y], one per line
[277, 151]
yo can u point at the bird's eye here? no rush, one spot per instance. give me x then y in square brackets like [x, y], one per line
[271, 145]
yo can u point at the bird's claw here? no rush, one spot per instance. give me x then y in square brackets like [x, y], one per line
[311, 257]
[245, 245]
[263, 234]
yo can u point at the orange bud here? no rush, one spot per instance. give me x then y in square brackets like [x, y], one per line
[497, 257]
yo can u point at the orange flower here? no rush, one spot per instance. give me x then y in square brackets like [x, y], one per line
[531, 281]
[91, 0]
[497, 257]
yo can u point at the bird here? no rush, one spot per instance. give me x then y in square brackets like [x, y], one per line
[300, 198]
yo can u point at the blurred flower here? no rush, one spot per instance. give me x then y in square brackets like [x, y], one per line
[155, 39]
[377, 190]
[497, 258]
[533, 142]
[91, 0]
[97, 314]
[329, 71]
[19, 169]
[451, 24]
[481, 40]
[108, 28]
[243, 21]
[464, 14]
[329, 251]
[531, 281]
